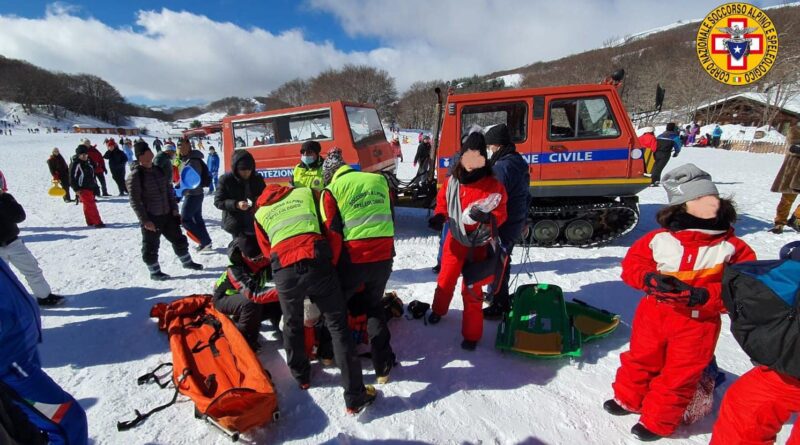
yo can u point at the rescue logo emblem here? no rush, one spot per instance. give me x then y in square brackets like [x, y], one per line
[737, 44]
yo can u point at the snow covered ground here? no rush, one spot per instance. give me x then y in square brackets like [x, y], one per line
[102, 339]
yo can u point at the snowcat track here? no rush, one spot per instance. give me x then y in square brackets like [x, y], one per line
[623, 218]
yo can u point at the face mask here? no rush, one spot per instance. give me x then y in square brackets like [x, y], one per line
[489, 154]
[308, 160]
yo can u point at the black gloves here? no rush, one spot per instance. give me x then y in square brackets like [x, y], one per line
[481, 235]
[479, 215]
[436, 222]
[669, 288]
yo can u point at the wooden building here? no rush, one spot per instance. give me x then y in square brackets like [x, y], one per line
[751, 109]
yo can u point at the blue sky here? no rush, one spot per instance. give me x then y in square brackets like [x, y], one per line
[186, 52]
[273, 15]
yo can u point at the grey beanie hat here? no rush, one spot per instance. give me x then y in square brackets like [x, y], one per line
[686, 183]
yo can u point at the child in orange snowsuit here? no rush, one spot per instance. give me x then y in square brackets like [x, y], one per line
[676, 325]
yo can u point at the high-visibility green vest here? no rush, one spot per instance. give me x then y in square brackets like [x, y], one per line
[308, 177]
[295, 214]
[364, 206]
[222, 280]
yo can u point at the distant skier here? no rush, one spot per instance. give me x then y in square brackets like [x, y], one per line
[157, 145]
[82, 180]
[213, 168]
[59, 171]
[677, 323]
[422, 159]
[99, 165]
[117, 161]
[716, 135]
[668, 143]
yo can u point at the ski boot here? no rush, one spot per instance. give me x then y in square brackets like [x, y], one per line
[640, 432]
[614, 408]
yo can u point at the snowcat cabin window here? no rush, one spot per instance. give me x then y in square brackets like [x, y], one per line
[274, 130]
[514, 115]
[365, 126]
[584, 118]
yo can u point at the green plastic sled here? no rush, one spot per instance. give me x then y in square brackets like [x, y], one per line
[542, 325]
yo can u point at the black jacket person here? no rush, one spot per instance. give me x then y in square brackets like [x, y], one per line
[237, 192]
[155, 205]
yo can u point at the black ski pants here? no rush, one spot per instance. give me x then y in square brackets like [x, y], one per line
[101, 178]
[119, 178]
[367, 283]
[168, 226]
[317, 280]
[661, 157]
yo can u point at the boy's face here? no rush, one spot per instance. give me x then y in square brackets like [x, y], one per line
[705, 207]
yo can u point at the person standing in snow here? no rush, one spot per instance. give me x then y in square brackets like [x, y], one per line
[308, 173]
[398, 151]
[82, 180]
[157, 145]
[237, 193]
[59, 171]
[667, 143]
[423, 159]
[127, 148]
[99, 166]
[787, 183]
[512, 171]
[301, 268]
[677, 323]
[154, 203]
[21, 374]
[716, 135]
[472, 182]
[213, 168]
[14, 251]
[358, 222]
[117, 160]
[165, 162]
[192, 205]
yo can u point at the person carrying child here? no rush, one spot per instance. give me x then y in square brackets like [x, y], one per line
[677, 323]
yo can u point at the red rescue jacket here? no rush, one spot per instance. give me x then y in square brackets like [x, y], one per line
[473, 192]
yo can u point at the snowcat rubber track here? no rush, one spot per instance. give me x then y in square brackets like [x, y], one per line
[609, 220]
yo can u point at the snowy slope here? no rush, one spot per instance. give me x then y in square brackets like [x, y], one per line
[102, 339]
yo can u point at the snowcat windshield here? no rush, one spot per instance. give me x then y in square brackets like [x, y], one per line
[365, 126]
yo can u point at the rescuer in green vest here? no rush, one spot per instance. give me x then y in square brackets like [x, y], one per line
[308, 173]
[358, 217]
[289, 234]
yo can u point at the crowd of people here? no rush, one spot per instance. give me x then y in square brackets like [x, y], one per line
[326, 241]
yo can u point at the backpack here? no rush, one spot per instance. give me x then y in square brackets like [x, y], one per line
[763, 299]
[213, 365]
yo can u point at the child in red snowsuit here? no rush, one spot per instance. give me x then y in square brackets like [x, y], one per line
[757, 405]
[755, 408]
[472, 181]
[676, 325]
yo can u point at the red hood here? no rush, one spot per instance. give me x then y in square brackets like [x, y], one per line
[272, 194]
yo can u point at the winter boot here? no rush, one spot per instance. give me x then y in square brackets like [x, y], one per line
[187, 262]
[777, 229]
[614, 408]
[794, 223]
[50, 300]
[370, 394]
[436, 269]
[433, 318]
[155, 272]
[469, 345]
[383, 377]
[640, 432]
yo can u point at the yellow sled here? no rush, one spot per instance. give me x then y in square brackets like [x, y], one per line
[56, 191]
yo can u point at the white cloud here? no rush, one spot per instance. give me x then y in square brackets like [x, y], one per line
[175, 56]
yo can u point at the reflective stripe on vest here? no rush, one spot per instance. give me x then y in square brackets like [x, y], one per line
[222, 280]
[364, 206]
[295, 214]
[308, 177]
